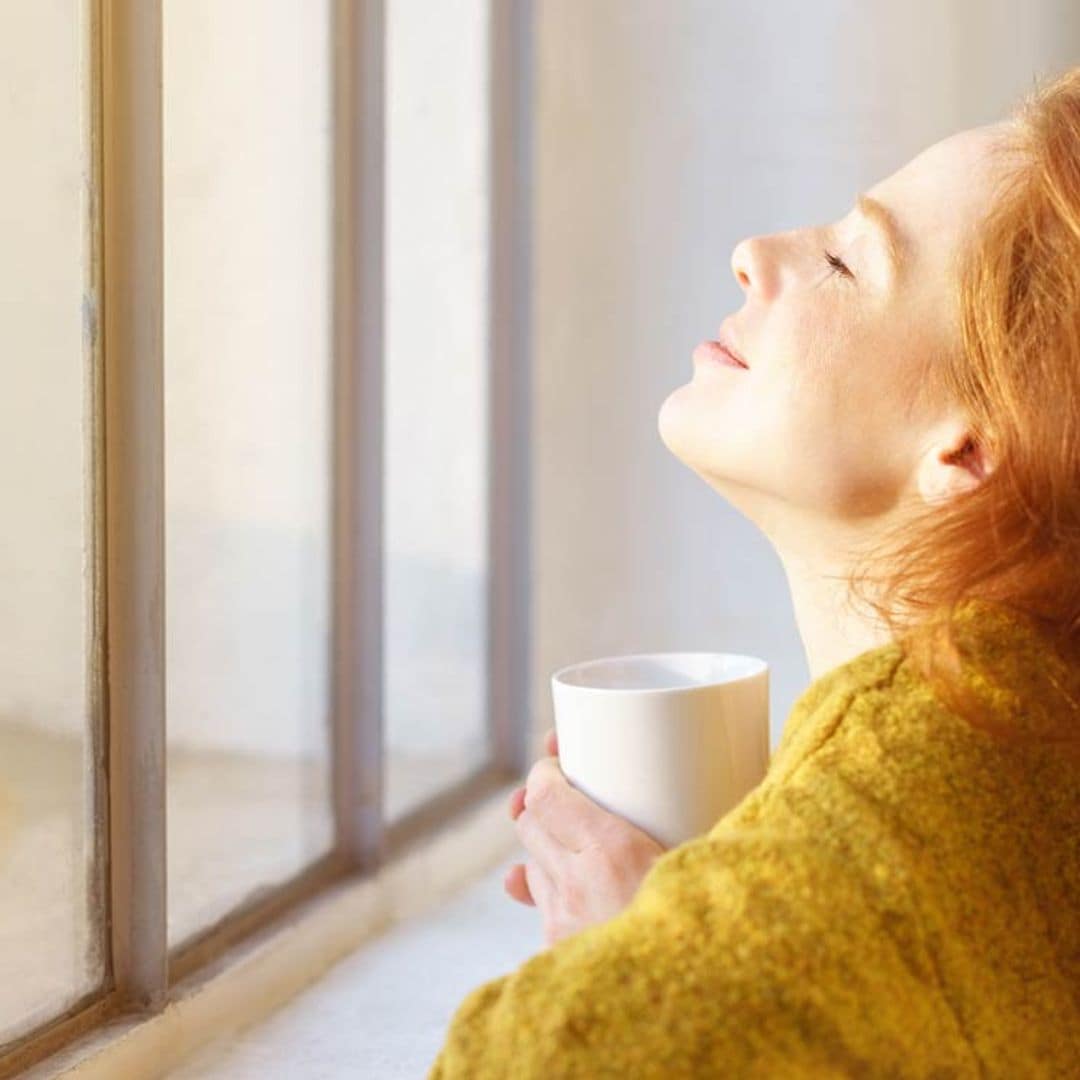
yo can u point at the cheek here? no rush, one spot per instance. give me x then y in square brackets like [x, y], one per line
[843, 439]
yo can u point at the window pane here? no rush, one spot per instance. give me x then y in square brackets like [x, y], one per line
[247, 175]
[52, 941]
[436, 385]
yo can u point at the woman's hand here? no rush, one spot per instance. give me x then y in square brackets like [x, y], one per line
[586, 863]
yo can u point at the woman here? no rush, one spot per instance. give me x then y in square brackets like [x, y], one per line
[900, 896]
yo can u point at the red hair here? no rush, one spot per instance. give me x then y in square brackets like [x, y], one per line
[1014, 539]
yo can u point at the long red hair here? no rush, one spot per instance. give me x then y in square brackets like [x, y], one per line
[1014, 539]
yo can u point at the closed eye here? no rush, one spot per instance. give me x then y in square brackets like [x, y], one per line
[838, 265]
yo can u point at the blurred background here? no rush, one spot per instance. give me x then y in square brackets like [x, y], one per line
[661, 132]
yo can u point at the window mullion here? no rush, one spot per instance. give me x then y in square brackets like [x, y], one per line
[510, 99]
[135, 495]
[357, 715]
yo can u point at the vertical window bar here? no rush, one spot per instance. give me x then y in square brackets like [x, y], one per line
[510, 364]
[98, 676]
[358, 422]
[134, 480]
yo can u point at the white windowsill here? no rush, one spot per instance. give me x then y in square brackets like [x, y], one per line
[381, 1006]
[384, 1011]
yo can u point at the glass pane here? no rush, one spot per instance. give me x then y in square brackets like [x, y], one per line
[247, 175]
[436, 386]
[52, 941]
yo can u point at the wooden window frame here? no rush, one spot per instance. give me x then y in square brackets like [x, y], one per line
[158, 1003]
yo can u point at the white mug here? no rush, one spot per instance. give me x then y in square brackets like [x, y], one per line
[668, 741]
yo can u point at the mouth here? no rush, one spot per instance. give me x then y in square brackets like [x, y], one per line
[734, 355]
[714, 352]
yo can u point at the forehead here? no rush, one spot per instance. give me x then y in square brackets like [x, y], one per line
[943, 192]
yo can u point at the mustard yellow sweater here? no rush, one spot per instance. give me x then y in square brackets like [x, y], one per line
[899, 897]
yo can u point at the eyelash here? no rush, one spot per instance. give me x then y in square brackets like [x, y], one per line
[838, 264]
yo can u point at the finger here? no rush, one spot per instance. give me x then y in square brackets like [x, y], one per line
[540, 885]
[547, 852]
[568, 815]
[515, 884]
[551, 743]
[517, 802]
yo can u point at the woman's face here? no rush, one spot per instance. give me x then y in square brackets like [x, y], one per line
[827, 416]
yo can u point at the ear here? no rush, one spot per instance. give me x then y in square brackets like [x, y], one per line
[955, 461]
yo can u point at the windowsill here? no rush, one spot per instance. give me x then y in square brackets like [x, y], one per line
[351, 927]
[384, 1011]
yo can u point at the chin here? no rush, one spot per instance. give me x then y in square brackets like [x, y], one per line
[679, 415]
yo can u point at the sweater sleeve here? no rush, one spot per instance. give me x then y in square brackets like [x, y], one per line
[752, 951]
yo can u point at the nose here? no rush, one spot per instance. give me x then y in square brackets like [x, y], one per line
[740, 258]
[750, 267]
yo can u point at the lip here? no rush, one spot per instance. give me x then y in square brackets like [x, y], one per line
[714, 352]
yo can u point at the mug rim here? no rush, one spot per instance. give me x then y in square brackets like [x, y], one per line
[758, 666]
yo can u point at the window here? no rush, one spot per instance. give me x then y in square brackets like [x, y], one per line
[52, 857]
[438, 430]
[264, 269]
[247, 184]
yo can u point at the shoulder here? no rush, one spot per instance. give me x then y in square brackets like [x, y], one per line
[882, 796]
[862, 786]
[845, 696]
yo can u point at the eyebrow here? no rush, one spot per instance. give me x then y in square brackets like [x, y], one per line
[896, 245]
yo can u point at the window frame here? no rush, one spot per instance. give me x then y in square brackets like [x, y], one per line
[371, 863]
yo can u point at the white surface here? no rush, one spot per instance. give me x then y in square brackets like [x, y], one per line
[665, 741]
[383, 1012]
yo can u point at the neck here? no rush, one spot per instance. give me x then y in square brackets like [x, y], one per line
[817, 562]
[831, 633]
